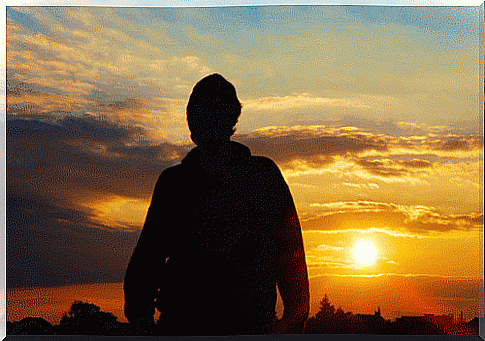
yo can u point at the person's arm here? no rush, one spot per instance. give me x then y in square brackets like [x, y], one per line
[292, 276]
[143, 273]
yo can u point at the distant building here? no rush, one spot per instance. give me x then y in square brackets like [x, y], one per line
[442, 321]
[464, 328]
[416, 325]
[370, 323]
[474, 325]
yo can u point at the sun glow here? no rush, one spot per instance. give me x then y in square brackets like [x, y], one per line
[364, 252]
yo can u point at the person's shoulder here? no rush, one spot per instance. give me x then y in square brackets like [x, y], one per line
[175, 169]
[267, 171]
[265, 163]
[171, 173]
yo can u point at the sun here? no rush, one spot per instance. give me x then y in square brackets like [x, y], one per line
[364, 252]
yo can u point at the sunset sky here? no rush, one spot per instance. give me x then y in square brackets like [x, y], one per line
[373, 114]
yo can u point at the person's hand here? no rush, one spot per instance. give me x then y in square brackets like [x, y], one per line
[279, 327]
[287, 326]
[143, 326]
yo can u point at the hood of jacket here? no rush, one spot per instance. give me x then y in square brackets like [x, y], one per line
[217, 159]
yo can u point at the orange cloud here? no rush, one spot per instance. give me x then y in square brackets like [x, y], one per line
[118, 212]
[83, 157]
[374, 215]
[451, 143]
[163, 119]
[307, 101]
[312, 147]
[43, 103]
[393, 168]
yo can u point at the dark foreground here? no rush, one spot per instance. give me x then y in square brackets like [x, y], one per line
[87, 319]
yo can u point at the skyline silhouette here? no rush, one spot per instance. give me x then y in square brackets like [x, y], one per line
[85, 318]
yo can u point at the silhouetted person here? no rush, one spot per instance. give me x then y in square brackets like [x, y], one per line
[220, 234]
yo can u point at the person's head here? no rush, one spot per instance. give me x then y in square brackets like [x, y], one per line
[213, 110]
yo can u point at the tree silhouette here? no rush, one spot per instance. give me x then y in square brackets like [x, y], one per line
[326, 309]
[329, 320]
[30, 326]
[87, 318]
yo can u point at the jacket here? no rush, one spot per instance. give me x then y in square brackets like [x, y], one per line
[220, 235]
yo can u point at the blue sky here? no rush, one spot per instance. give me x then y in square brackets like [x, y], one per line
[348, 60]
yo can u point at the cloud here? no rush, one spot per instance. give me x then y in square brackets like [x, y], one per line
[313, 145]
[366, 215]
[51, 243]
[313, 65]
[408, 129]
[85, 67]
[415, 163]
[93, 53]
[328, 257]
[393, 168]
[451, 143]
[396, 156]
[77, 172]
[28, 103]
[83, 163]
[308, 149]
[308, 101]
[361, 186]
[162, 119]
[24, 99]
[70, 183]
[324, 247]
[84, 156]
